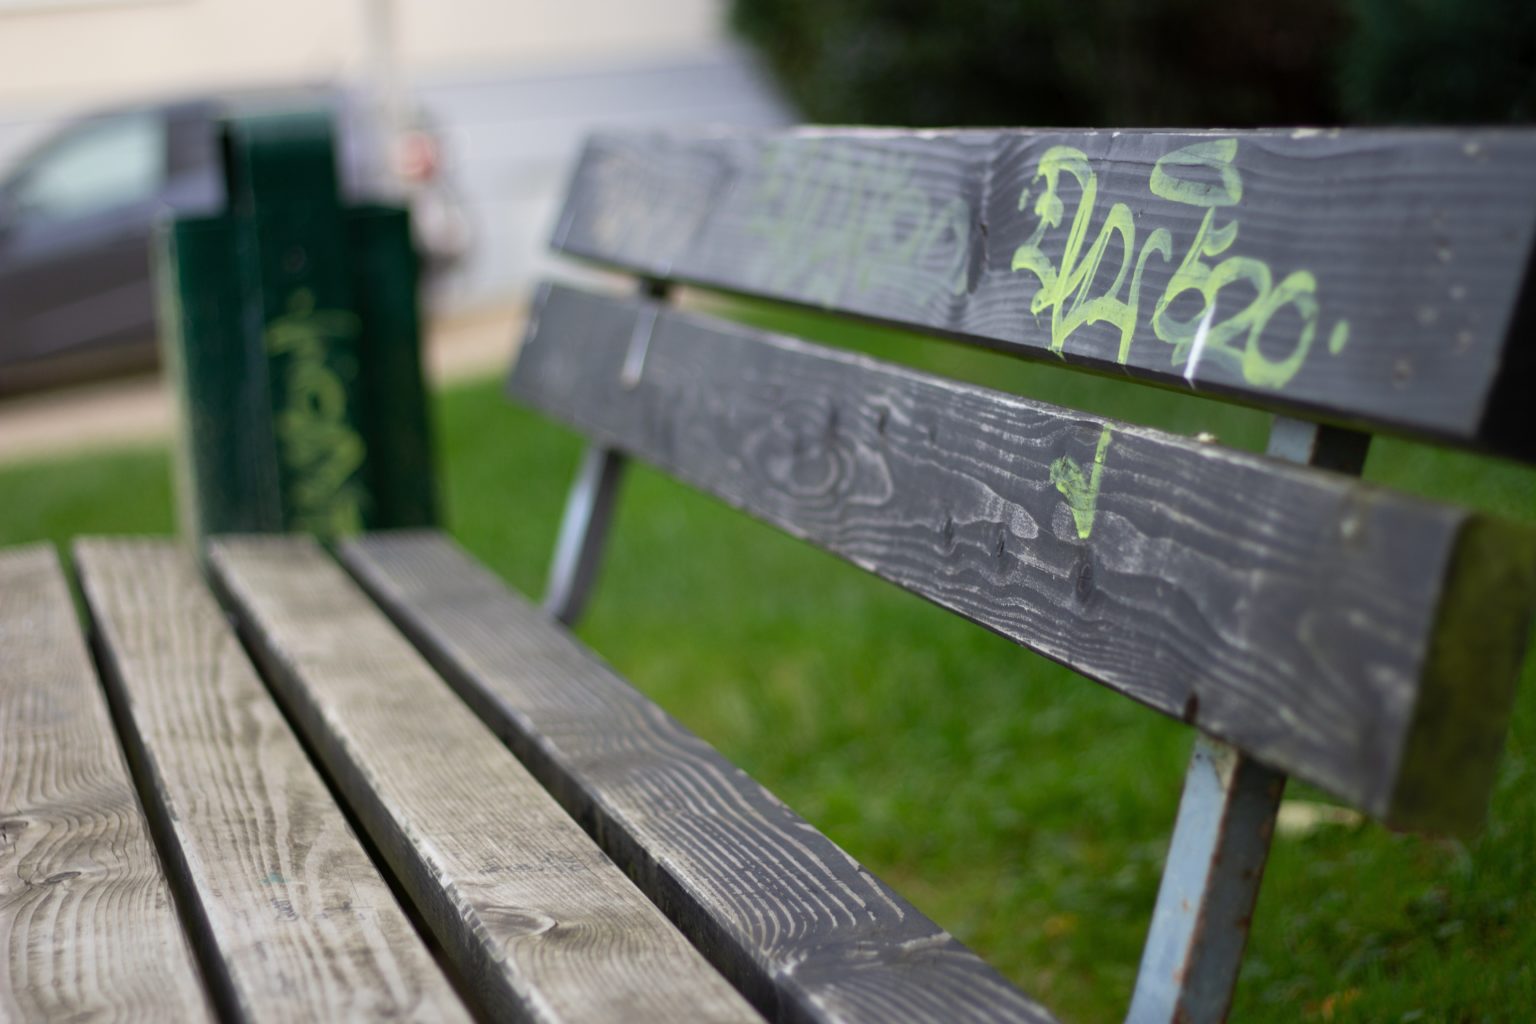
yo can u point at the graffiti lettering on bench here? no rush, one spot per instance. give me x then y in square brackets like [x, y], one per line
[838, 222]
[1202, 175]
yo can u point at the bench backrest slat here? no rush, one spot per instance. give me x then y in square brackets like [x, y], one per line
[1364, 277]
[1300, 615]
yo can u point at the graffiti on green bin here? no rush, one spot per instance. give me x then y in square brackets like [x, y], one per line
[320, 449]
[1202, 175]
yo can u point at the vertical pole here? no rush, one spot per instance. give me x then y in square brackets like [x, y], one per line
[1210, 884]
[589, 506]
[1221, 839]
[385, 79]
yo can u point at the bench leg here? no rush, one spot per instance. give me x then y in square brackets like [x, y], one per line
[583, 531]
[1226, 819]
[1205, 903]
[589, 507]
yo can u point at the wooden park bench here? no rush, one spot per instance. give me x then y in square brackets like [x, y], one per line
[334, 820]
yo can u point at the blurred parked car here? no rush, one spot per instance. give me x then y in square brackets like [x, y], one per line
[77, 211]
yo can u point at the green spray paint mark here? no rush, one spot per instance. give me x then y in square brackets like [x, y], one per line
[321, 450]
[1082, 494]
[838, 221]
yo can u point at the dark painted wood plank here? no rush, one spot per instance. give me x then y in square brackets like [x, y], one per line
[541, 924]
[796, 922]
[1300, 615]
[88, 930]
[292, 917]
[1371, 277]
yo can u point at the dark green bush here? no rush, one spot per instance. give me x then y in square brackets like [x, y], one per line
[1149, 63]
[1041, 62]
[1440, 61]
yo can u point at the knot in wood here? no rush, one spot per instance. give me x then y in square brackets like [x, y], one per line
[517, 922]
[1084, 585]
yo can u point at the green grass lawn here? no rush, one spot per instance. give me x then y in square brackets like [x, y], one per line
[1025, 809]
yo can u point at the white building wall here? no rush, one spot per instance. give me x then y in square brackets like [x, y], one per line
[55, 52]
[512, 85]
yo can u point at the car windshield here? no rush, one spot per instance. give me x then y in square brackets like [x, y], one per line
[108, 162]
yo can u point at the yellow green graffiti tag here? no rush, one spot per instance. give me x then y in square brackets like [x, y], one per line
[1183, 176]
[1081, 491]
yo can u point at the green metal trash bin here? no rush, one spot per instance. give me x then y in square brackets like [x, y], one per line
[291, 330]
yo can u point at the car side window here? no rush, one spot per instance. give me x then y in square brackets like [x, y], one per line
[111, 162]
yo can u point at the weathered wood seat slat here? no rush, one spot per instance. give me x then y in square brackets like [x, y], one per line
[88, 929]
[293, 919]
[1374, 278]
[537, 920]
[797, 924]
[1335, 630]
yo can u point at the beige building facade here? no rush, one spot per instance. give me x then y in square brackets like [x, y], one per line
[63, 53]
[510, 86]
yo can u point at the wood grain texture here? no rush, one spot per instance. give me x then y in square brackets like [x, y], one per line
[88, 930]
[1107, 248]
[293, 919]
[1289, 611]
[539, 921]
[800, 926]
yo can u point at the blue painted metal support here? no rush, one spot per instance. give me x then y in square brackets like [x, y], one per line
[1221, 839]
[589, 506]
[583, 532]
[1313, 444]
[1205, 904]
